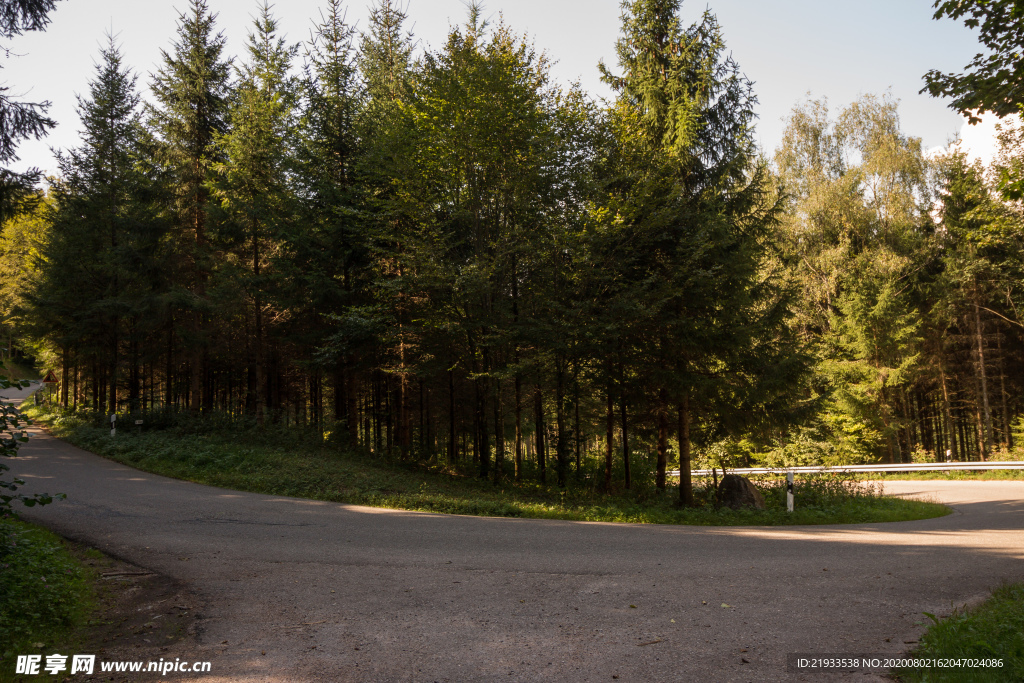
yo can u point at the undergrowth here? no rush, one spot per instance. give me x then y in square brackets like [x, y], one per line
[281, 461]
[44, 592]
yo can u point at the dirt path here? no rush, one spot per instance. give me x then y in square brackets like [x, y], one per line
[293, 590]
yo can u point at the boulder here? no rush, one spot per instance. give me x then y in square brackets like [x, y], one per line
[737, 492]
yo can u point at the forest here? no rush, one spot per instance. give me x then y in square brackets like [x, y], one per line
[445, 256]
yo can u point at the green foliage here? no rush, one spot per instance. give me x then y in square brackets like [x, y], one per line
[858, 237]
[102, 205]
[43, 591]
[20, 120]
[385, 55]
[993, 630]
[690, 219]
[192, 92]
[992, 81]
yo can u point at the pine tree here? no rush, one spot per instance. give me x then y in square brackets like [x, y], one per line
[103, 209]
[692, 213]
[330, 247]
[254, 182]
[20, 120]
[385, 53]
[979, 256]
[192, 91]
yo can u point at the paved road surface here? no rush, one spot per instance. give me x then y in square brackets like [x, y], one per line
[339, 593]
[17, 394]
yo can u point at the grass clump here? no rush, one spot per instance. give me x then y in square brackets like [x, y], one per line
[992, 631]
[45, 594]
[292, 462]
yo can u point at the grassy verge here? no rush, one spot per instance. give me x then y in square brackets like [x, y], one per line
[992, 631]
[283, 462]
[45, 593]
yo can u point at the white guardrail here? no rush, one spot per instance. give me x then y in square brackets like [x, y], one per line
[906, 467]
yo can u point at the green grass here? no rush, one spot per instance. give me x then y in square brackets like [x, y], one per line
[993, 630]
[45, 593]
[285, 462]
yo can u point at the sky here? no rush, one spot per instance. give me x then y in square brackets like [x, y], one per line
[789, 48]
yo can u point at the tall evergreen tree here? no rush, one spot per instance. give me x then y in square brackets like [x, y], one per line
[693, 210]
[192, 91]
[254, 181]
[20, 120]
[104, 210]
[385, 53]
[330, 244]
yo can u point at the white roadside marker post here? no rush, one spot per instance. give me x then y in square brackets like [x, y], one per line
[113, 425]
[789, 491]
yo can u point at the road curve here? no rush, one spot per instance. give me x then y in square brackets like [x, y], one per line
[335, 592]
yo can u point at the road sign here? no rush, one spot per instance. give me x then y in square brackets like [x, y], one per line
[50, 378]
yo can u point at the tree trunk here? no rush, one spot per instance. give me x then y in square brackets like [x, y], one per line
[519, 427]
[113, 366]
[453, 443]
[662, 439]
[609, 440]
[1007, 431]
[499, 434]
[64, 377]
[561, 447]
[685, 478]
[482, 433]
[985, 435]
[538, 420]
[577, 436]
[421, 408]
[625, 440]
[950, 426]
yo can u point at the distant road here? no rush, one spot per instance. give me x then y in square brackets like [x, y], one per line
[334, 592]
[18, 394]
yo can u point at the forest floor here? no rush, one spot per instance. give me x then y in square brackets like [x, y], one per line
[280, 462]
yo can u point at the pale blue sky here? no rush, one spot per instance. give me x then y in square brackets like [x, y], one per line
[788, 47]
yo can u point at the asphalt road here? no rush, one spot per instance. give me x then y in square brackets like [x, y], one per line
[17, 394]
[340, 593]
